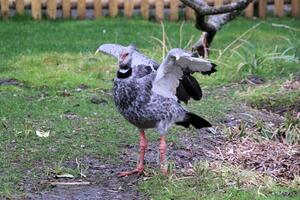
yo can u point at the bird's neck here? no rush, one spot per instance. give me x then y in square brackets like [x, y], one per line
[122, 74]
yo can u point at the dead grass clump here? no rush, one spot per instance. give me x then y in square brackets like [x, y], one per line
[279, 160]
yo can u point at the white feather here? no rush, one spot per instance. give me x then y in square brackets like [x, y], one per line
[123, 71]
[171, 71]
[194, 64]
[116, 49]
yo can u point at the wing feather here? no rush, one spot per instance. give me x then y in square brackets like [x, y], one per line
[171, 71]
[139, 61]
[111, 49]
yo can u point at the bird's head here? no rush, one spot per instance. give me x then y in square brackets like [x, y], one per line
[173, 56]
[125, 61]
[125, 58]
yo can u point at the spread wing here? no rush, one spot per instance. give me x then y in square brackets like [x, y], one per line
[141, 64]
[174, 74]
[111, 49]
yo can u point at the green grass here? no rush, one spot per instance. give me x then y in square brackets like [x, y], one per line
[63, 44]
[218, 182]
[50, 57]
[271, 96]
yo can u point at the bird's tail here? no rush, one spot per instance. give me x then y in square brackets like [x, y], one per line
[194, 120]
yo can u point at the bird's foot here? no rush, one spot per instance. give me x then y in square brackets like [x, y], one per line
[138, 170]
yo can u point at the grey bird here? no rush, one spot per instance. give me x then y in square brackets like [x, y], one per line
[148, 95]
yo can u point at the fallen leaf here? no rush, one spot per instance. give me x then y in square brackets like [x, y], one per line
[42, 133]
[66, 175]
[70, 183]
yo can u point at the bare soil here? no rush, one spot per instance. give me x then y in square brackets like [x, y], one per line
[9, 82]
[103, 179]
[101, 173]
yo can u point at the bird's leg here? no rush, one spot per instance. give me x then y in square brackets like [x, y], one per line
[143, 148]
[140, 166]
[162, 152]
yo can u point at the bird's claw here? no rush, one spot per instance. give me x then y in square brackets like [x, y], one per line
[138, 170]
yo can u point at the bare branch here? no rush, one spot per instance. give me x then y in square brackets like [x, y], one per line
[201, 7]
[218, 16]
[209, 28]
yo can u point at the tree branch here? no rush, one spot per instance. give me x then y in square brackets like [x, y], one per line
[214, 22]
[201, 7]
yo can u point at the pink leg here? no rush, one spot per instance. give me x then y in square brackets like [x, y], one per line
[140, 166]
[162, 152]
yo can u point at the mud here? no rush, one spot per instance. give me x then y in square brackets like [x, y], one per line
[103, 179]
[101, 173]
[9, 82]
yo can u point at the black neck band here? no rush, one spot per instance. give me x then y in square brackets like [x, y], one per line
[124, 75]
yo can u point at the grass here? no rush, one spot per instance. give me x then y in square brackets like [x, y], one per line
[52, 59]
[217, 182]
[271, 96]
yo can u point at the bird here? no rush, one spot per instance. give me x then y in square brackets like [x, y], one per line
[148, 95]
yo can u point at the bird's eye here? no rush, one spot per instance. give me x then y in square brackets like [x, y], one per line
[173, 58]
[124, 55]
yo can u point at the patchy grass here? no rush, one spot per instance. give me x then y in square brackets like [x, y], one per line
[77, 128]
[62, 70]
[64, 43]
[277, 96]
[217, 181]
[58, 75]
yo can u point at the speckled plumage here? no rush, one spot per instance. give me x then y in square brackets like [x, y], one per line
[140, 106]
[146, 93]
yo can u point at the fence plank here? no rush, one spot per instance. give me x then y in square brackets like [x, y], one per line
[279, 8]
[218, 3]
[97, 8]
[295, 8]
[113, 8]
[20, 7]
[81, 9]
[4, 8]
[262, 8]
[144, 6]
[159, 10]
[128, 8]
[36, 9]
[189, 13]
[51, 9]
[249, 10]
[174, 10]
[145, 9]
[66, 7]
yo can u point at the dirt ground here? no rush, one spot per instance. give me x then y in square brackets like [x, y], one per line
[101, 175]
[100, 180]
[104, 182]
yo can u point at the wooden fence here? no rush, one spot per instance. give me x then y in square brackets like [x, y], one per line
[159, 8]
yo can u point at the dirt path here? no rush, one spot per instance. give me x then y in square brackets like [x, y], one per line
[101, 173]
[106, 185]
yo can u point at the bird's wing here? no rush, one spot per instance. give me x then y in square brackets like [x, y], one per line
[174, 67]
[111, 49]
[188, 88]
[142, 64]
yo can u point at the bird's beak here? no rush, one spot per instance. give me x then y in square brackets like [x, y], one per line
[177, 57]
[97, 51]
